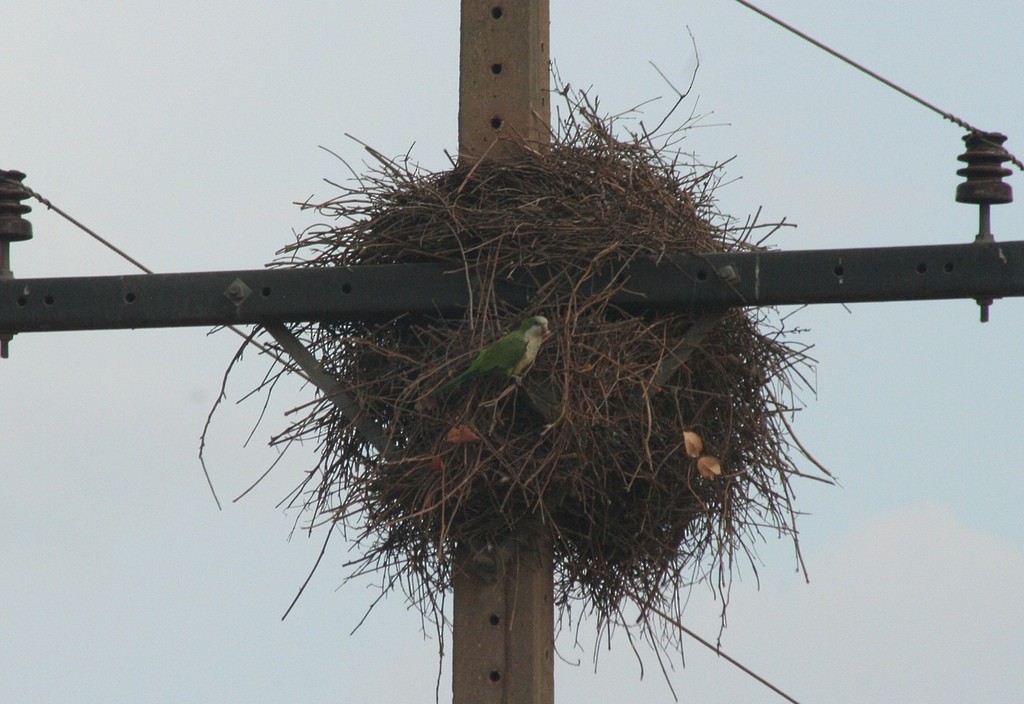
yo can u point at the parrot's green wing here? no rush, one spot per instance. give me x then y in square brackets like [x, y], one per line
[501, 356]
[512, 354]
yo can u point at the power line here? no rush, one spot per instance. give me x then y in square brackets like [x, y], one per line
[305, 366]
[92, 233]
[717, 651]
[882, 79]
[142, 267]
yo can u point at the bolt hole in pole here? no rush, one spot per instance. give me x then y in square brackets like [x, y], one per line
[497, 12]
[496, 69]
[129, 297]
[496, 122]
[494, 619]
[495, 676]
[922, 268]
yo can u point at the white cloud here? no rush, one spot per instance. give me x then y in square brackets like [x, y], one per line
[909, 606]
[912, 605]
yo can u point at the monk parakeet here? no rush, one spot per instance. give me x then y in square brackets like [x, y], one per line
[511, 355]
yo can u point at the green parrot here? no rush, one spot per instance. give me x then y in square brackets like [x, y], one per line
[511, 355]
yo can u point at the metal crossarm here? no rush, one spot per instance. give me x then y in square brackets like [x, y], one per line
[977, 270]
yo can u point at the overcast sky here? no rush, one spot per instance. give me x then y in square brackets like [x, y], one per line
[184, 132]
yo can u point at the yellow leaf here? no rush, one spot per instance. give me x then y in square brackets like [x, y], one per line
[694, 444]
[708, 466]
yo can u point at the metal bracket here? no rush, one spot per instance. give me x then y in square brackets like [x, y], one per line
[237, 292]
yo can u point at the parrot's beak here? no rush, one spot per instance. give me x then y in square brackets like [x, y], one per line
[545, 328]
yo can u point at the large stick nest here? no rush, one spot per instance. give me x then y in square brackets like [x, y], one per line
[589, 448]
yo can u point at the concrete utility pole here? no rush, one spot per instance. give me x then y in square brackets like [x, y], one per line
[503, 637]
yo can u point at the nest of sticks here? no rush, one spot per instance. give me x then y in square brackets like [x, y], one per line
[652, 448]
